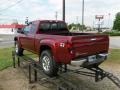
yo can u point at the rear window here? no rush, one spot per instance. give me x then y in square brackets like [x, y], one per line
[62, 26]
[44, 27]
[52, 27]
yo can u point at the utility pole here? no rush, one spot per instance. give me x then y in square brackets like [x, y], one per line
[93, 24]
[77, 22]
[77, 19]
[109, 15]
[83, 9]
[56, 15]
[63, 10]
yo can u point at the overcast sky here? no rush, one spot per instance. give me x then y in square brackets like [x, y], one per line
[45, 9]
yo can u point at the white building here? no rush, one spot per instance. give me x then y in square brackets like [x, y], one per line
[10, 29]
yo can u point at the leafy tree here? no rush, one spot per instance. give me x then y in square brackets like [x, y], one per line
[76, 26]
[116, 25]
[70, 26]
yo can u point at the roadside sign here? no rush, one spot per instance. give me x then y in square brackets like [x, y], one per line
[99, 16]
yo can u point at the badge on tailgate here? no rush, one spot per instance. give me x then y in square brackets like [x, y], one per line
[93, 39]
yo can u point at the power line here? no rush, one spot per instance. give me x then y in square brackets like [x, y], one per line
[11, 6]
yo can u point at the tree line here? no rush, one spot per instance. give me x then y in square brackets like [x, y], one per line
[116, 25]
[78, 26]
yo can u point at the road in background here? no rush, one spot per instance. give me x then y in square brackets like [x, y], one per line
[115, 42]
[6, 41]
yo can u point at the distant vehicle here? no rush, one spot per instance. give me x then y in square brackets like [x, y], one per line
[55, 45]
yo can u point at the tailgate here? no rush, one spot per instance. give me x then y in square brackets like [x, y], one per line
[90, 44]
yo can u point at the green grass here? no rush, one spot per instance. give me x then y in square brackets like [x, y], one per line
[113, 33]
[114, 56]
[6, 57]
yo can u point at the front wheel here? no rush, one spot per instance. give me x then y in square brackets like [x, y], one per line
[18, 50]
[49, 65]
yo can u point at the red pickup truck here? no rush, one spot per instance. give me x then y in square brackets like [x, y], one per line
[55, 45]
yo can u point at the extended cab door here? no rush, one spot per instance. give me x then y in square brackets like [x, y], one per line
[28, 40]
[23, 38]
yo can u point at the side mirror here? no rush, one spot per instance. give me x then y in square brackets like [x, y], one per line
[29, 23]
[20, 31]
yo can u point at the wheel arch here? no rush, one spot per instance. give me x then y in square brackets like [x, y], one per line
[52, 49]
[45, 47]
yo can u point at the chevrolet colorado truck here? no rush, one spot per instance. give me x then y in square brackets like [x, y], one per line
[55, 45]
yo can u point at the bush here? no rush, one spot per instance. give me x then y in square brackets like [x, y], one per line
[113, 33]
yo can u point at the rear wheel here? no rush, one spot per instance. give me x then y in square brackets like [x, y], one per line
[18, 50]
[49, 65]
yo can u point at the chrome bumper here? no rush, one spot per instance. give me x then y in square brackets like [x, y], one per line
[85, 62]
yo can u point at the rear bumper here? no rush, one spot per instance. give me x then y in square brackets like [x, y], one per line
[85, 62]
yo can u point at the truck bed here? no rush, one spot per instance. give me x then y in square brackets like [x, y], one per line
[71, 34]
[86, 44]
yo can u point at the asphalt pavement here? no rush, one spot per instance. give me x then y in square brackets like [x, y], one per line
[115, 42]
[6, 41]
[6, 44]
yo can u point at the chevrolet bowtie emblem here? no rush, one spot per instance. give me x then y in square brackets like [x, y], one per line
[93, 39]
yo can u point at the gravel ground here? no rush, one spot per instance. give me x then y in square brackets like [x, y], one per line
[16, 79]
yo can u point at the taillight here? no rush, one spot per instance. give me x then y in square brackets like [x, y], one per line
[56, 45]
[70, 49]
[69, 45]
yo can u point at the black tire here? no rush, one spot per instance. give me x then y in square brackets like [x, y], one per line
[18, 50]
[48, 64]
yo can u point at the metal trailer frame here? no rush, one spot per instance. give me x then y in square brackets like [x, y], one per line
[96, 72]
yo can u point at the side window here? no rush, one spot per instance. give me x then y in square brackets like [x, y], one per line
[32, 28]
[27, 29]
